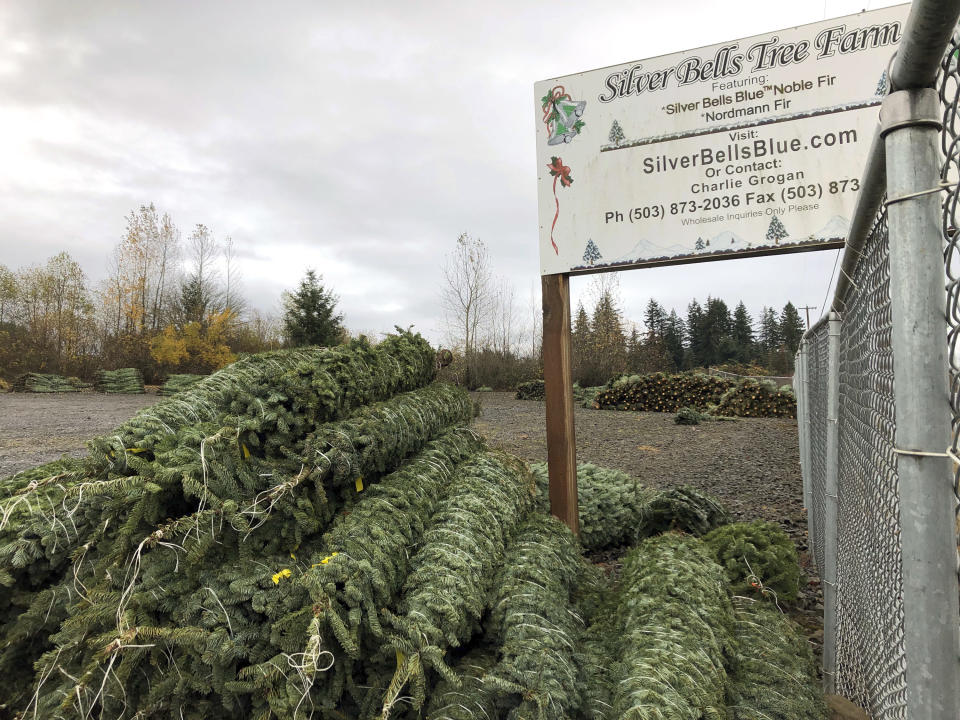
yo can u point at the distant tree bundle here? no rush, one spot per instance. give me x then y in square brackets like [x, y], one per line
[531, 390]
[122, 381]
[177, 383]
[662, 392]
[690, 416]
[758, 398]
[536, 390]
[44, 383]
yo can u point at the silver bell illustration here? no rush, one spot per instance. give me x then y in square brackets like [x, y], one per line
[565, 122]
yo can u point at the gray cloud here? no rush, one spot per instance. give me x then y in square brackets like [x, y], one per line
[356, 138]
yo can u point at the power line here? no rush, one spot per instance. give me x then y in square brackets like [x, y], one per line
[830, 282]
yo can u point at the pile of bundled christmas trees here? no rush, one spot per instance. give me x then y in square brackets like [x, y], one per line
[758, 398]
[176, 383]
[122, 381]
[318, 533]
[664, 392]
[531, 390]
[45, 383]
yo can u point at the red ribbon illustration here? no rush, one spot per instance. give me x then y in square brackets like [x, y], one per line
[562, 173]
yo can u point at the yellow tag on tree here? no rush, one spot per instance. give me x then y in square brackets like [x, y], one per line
[359, 484]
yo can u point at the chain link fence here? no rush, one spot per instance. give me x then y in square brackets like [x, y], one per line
[948, 87]
[870, 646]
[815, 349]
[874, 631]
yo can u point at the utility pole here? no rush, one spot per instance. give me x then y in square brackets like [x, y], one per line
[808, 308]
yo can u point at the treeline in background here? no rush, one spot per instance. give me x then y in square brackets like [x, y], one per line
[167, 305]
[172, 305]
[482, 323]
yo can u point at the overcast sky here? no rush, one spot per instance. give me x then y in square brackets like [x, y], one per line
[357, 138]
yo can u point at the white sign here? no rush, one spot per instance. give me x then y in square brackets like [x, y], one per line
[749, 147]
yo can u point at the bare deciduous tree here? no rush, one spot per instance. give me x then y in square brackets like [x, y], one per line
[502, 318]
[467, 295]
[232, 286]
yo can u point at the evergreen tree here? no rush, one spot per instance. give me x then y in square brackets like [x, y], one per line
[776, 231]
[609, 344]
[652, 356]
[634, 351]
[193, 304]
[673, 333]
[308, 317]
[616, 133]
[581, 342]
[654, 318]
[716, 333]
[742, 333]
[699, 244]
[791, 328]
[695, 340]
[769, 330]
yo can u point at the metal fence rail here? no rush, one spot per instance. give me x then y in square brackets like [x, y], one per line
[876, 412]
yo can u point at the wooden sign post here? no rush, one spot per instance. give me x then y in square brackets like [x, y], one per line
[558, 387]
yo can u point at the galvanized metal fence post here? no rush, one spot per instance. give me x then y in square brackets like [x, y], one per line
[830, 547]
[910, 123]
[803, 424]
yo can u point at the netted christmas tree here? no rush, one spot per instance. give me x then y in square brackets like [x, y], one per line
[771, 671]
[759, 558]
[676, 628]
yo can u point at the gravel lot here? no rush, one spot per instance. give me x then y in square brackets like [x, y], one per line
[37, 428]
[751, 464]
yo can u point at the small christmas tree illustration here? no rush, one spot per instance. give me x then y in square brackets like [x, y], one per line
[776, 231]
[882, 84]
[699, 245]
[592, 253]
[616, 133]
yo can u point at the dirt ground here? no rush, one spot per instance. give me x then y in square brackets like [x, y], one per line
[750, 465]
[37, 428]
